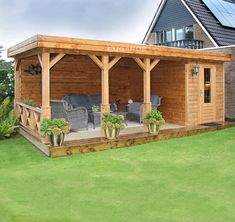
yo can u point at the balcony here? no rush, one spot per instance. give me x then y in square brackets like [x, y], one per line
[187, 44]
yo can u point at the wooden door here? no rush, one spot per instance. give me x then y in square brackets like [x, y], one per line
[207, 94]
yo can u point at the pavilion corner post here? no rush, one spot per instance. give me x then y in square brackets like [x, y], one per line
[17, 82]
[44, 59]
[147, 66]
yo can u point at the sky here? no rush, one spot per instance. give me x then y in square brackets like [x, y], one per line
[120, 20]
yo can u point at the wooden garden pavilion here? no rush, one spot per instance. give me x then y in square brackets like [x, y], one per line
[118, 71]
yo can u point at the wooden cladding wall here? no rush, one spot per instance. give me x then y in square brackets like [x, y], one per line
[212, 114]
[168, 81]
[76, 74]
[80, 75]
[220, 93]
[31, 86]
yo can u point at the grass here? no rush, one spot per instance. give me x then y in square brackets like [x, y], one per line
[182, 180]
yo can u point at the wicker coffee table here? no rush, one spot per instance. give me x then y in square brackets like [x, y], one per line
[94, 118]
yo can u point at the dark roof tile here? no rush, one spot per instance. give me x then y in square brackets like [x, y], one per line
[221, 34]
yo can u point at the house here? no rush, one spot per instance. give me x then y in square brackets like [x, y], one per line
[193, 24]
[198, 24]
[116, 72]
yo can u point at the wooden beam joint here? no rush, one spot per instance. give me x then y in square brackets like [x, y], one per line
[55, 60]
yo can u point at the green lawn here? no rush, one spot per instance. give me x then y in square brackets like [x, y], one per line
[185, 180]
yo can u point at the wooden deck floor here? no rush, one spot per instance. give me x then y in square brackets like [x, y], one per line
[99, 144]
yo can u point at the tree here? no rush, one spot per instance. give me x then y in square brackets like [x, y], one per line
[1, 49]
[6, 78]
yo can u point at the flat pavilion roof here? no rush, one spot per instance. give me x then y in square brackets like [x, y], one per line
[53, 44]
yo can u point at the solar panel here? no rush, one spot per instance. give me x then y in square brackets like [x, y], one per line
[223, 10]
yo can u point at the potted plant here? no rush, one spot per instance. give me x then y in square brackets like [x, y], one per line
[112, 125]
[153, 120]
[95, 109]
[55, 130]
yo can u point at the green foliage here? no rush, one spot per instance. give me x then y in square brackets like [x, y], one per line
[154, 116]
[6, 79]
[110, 120]
[54, 126]
[95, 108]
[8, 120]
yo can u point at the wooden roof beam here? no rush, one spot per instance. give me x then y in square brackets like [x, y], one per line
[114, 61]
[97, 61]
[56, 60]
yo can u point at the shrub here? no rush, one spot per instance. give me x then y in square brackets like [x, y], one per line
[155, 117]
[112, 121]
[8, 120]
[54, 126]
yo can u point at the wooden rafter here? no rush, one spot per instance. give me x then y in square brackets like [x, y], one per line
[113, 62]
[56, 59]
[143, 63]
[97, 61]
[154, 63]
[140, 63]
[40, 59]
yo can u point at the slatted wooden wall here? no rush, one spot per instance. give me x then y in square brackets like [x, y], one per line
[80, 75]
[31, 87]
[168, 81]
[212, 114]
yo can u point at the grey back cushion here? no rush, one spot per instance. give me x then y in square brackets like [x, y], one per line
[58, 109]
[80, 100]
[134, 107]
[95, 100]
[67, 98]
[155, 100]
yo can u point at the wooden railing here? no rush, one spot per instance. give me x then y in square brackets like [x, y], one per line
[188, 44]
[30, 117]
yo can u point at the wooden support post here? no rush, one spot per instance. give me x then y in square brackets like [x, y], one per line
[105, 107]
[146, 65]
[105, 65]
[147, 87]
[17, 82]
[46, 109]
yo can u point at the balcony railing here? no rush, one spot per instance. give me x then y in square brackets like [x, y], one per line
[188, 44]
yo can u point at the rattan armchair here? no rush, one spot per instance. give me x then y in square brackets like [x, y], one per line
[77, 117]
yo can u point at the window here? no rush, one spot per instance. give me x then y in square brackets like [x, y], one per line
[207, 85]
[179, 34]
[168, 37]
[160, 37]
[189, 33]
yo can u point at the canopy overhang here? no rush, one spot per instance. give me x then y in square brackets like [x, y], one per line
[52, 44]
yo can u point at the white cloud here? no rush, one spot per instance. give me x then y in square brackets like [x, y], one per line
[122, 20]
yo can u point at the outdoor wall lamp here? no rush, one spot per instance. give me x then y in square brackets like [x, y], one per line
[195, 70]
[34, 69]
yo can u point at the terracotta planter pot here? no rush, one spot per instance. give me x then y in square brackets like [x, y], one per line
[153, 128]
[56, 140]
[111, 133]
